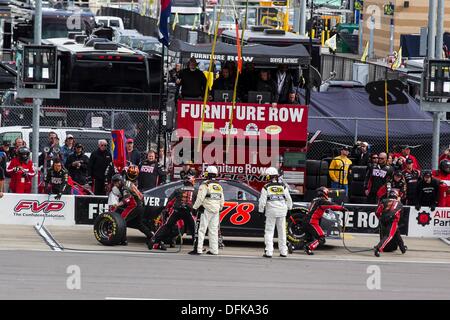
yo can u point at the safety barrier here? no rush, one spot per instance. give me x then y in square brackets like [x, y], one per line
[32, 209]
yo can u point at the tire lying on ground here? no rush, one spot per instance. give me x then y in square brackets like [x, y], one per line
[109, 228]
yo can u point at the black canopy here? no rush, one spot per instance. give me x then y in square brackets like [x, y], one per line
[256, 53]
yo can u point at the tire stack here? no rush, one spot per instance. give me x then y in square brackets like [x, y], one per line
[356, 188]
[316, 176]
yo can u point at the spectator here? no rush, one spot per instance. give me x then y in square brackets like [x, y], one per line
[174, 73]
[399, 163]
[18, 143]
[373, 161]
[411, 177]
[339, 170]
[360, 153]
[133, 155]
[284, 82]
[427, 191]
[445, 155]
[9, 152]
[151, 173]
[390, 159]
[54, 150]
[3, 161]
[187, 170]
[192, 81]
[68, 148]
[377, 176]
[406, 152]
[77, 164]
[224, 82]
[399, 183]
[100, 159]
[293, 98]
[265, 84]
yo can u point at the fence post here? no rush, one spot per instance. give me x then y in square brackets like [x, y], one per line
[112, 119]
[356, 130]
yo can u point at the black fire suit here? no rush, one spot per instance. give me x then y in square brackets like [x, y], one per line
[179, 206]
[151, 174]
[428, 194]
[389, 212]
[133, 210]
[376, 177]
[58, 181]
[190, 172]
[411, 178]
[316, 210]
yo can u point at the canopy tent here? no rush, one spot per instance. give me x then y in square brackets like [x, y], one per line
[335, 113]
[257, 53]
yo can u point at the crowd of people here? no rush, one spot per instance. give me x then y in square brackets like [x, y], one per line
[398, 170]
[280, 84]
[66, 167]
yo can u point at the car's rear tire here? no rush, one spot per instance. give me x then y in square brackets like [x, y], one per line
[110, 228]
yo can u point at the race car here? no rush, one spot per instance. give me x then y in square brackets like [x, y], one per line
[239, 217]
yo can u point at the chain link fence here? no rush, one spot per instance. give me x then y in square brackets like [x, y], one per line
[87, 125]
[420, 143]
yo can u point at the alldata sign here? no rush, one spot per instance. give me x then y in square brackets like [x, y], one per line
[427, 223]
[29, 209]
[287, 122]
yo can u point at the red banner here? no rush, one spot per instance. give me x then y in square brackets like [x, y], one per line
[287, 122]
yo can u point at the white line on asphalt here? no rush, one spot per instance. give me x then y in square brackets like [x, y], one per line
[300, 258]
[120, 298]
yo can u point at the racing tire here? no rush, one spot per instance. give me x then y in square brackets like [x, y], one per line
[314, 182]
[295, 233]
[357, 188]
[316, 168]
[110, 228]
[359, 173]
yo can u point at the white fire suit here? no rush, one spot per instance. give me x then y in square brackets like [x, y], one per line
[275, 201]
[210, 197]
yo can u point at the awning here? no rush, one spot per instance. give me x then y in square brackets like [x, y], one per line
[256, 53]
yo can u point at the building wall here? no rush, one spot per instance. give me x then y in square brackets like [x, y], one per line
[406, 21]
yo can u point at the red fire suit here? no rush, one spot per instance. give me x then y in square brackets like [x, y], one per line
[21, 175]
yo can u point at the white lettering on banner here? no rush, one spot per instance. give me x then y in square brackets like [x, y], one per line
[96, 209]
[250, 113]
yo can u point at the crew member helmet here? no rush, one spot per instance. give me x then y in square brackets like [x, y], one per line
[211, 172]
[24, 154]
[117, 178]
[132, 172]
[444, 166]
[393, 194]
[271, 172]
[322, 192]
